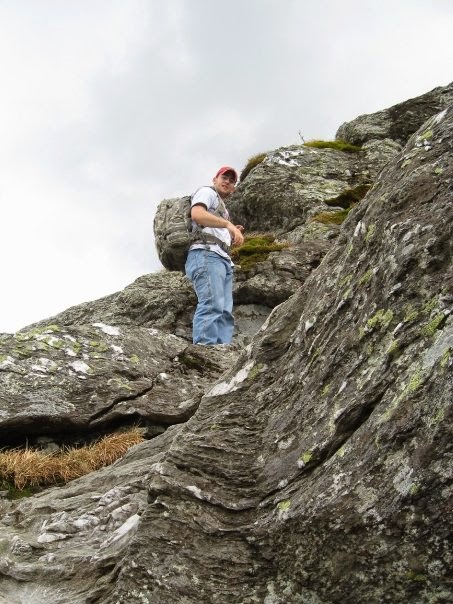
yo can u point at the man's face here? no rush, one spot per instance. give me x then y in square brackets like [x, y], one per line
[224, 184]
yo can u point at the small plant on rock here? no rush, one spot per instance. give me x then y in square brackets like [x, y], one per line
[339, 145]
[256, 248]
[252, 163]
[26, 470]
[331, 217]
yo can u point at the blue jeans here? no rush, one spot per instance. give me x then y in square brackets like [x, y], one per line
[212, 279]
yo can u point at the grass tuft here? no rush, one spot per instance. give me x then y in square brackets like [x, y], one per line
[252, 163]
[339, 145]
[28, 469]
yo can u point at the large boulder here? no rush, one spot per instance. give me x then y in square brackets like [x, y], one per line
[398, 122]
[162, 300]
[68, 382]
[292, 185]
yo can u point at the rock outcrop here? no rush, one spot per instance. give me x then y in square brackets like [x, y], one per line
[312, 465]
[293, 184]
[399, 122]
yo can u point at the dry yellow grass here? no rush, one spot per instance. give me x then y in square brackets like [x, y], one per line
[32, 468]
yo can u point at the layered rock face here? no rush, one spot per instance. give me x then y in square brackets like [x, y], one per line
[399, 122]
[312, 465]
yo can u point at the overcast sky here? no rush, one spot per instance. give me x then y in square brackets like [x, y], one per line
[109, 106]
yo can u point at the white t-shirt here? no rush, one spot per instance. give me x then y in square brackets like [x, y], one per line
[210, 199]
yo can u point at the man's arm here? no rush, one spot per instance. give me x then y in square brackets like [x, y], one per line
[205, 219]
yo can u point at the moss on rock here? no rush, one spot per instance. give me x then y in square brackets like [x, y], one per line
[338, 145]
[430, 328]
[256, 248]
[349, 197]
[346, 200]
[331, 217]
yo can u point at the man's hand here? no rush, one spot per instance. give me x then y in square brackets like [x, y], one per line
[237, 238]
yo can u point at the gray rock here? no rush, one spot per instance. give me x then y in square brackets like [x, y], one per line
[294, 183]
[162, 300]
[62, 544]
[85, 379]
[398, 122]
[327, 477]
[275, 280]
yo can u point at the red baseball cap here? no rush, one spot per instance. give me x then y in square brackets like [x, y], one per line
[225, 169]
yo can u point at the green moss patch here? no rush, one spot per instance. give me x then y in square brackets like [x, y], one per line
[382, 319]
[284, 506]
[346, 200]
[338, 145]
[331, 217]
[15, 493]
[366, 277]
[255, 371]
[255, 249]
[349, 197]
[430, 328]
[306, 457]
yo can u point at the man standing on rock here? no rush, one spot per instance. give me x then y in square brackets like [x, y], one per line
[209, 266]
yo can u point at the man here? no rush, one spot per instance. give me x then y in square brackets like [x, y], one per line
[208, 264]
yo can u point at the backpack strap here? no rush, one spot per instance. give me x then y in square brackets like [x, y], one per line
[199, 235]
[208, 238]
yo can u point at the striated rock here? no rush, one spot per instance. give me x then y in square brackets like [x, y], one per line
[311, 466]
[398, 122]
[326, 478]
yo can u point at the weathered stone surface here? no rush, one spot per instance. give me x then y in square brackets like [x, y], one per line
[83, 379]
[162, 300]
[60, 546]
[275, 280]
[398, 122]
[317, 465]
[292, 184]
[329, 475]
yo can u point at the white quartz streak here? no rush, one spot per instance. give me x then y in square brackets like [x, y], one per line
[108, 329]
[226, 387]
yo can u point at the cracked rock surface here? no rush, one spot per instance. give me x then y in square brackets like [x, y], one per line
[85, 378]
